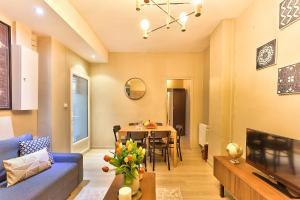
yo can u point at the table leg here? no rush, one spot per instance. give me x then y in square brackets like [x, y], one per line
[174, 135]
[222, 191]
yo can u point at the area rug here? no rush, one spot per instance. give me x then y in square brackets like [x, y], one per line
[89, 193]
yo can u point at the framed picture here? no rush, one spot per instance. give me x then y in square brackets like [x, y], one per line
[5, 67]
[289, 80]
[289, 12]
[266, 55]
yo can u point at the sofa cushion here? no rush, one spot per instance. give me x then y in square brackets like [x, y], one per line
[31, 146]
[21, 168]
[56, 183]
[10, 149]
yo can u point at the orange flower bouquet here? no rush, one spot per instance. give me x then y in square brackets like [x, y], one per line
[127, 160]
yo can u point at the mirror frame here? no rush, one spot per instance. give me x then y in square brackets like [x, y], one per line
[131, 97]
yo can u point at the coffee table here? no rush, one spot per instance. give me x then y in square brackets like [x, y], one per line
[147, 185]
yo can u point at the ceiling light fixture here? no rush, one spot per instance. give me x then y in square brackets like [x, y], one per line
[145, 25]
[93, 56]
[39, 10]
[166, 9]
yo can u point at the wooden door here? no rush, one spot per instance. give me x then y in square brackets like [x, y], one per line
[179, 107]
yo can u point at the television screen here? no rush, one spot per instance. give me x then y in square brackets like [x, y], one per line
[276, 156]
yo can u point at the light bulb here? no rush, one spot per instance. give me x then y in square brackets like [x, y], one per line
[198, 7]
[145, 25]
[197, 2]
[138, 5]
[183, 20]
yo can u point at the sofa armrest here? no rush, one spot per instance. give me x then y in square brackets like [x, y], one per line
[71, 157]
[67, 157]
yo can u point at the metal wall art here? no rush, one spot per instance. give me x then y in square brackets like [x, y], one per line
[289, 79]
[289, 12]
[266, 55]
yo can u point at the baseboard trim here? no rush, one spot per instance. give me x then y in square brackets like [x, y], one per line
[102, 147]
[85, 151]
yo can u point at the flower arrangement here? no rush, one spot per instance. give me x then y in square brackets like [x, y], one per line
[127, 160]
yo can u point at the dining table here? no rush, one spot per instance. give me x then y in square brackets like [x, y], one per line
[125, 129]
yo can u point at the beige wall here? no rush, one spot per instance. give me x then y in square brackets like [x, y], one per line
[206, 71]
[245, 97]
[256, 103]
[110, 106]
[56, 63]
[220, 88]
[23, 121]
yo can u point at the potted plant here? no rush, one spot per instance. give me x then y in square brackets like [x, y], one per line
[127, 161]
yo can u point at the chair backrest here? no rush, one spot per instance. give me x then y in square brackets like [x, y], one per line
[159, 124]
[160, 134]
[179, 129]
[133, 123]
[116, 129]
[138, 135]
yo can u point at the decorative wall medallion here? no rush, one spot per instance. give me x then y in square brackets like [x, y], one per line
[5, 92]
[266, 55]
[289, 12]
[289, 79]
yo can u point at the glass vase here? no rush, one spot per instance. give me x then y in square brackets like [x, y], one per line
[134, 184]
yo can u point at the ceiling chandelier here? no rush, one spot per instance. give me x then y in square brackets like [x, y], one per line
[170, 19]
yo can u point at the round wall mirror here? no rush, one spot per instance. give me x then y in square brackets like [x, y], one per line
[135, 88]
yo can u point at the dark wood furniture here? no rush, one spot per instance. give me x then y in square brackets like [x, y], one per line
[116, 130]
[179, 129]
[179, 107]
[133, 123]
[140, 137]
[125, 129]
[241, 183]
[159, 140]
[147, 186]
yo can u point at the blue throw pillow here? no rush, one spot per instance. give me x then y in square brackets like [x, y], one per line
[31, 146]
[10, 149]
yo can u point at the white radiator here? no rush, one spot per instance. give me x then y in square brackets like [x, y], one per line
[202, 134]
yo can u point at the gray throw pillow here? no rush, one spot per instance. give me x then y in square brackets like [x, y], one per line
[31, 146]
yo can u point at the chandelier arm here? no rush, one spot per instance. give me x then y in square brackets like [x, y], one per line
[174, 20]
[166, 12]
[164, 4]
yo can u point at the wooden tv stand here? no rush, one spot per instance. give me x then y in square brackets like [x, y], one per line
[241, 183]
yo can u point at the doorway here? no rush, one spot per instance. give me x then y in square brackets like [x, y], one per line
[80, 110]
[178, 106]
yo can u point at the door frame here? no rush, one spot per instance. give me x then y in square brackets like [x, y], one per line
[192, 119]
[84, 144]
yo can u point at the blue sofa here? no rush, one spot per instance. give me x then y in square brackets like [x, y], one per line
[56, 183]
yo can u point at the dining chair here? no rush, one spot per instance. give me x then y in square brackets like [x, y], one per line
[133, 123]
[158, 144]
[116, 130]
[141, 138]
[179, 129]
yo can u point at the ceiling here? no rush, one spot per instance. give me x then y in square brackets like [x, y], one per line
[116, 22]
[51, 24]
[92, 27]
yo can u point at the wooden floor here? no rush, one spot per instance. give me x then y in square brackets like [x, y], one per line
[193, 176]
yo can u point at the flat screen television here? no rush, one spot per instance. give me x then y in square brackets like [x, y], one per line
[277, 157]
